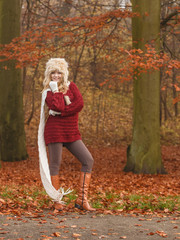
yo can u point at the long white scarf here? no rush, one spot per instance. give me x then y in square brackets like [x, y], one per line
[56, 195]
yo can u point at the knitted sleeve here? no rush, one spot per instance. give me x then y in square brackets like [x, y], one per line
[77, 103]
[55, 101]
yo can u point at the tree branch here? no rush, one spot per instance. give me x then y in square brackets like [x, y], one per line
[168, 18]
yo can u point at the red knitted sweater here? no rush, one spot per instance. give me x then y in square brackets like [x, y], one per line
[63, 127]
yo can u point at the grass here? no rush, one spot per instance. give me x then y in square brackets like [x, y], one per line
[6, 193]
[70, 197]
[24, 197]
[113, 201]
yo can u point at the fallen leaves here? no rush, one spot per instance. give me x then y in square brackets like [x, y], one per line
[160, 233]
[76, 235]
[74, 226]
[94, 234]
[2, 201]
[112, 191]
[56, 234]
[4, 232]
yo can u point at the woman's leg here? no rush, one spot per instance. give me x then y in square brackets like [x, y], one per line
[55, 155]
[79, 150]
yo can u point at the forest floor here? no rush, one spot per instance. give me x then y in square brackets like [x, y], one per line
[128, 205]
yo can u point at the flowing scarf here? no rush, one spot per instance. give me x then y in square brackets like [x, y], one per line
[56, 195]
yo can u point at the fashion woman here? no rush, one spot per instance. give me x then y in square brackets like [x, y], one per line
[64, 102]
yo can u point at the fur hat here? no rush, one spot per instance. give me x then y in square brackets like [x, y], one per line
[53, 64]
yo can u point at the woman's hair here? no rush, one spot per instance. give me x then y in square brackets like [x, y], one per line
[57, 64]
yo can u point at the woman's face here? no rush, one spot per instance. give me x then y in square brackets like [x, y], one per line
[56, 76]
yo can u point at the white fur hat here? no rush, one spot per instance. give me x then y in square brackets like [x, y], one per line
[59, 64]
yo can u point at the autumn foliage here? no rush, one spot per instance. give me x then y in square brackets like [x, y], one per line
[38, 43]
[111, 191]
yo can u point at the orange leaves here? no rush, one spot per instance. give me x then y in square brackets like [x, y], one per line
[113, 190]
[104, 83]
[160, 233]
[75, 235]
[176, 87]
[149, 60]
[39, 41]
[177, 99]
[134, 62]
[146, 14]
[163, 88]
[56, 234]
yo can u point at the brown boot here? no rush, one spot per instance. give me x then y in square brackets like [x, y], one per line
[56, 185]
[82, 201]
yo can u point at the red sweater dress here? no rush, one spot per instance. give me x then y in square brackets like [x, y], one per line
[63, 127]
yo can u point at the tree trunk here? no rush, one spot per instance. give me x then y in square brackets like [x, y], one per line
[12, 135]
[144, 153]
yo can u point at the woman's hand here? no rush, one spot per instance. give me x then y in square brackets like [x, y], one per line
[54, 86]
[67, 100]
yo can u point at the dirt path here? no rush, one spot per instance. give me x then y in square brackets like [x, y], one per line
[89, 226]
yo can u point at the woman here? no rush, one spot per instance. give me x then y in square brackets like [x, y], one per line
[64, 102]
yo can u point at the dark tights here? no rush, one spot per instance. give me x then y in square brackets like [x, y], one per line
[77, 148]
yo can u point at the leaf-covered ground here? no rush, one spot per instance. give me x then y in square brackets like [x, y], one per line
[112, 190]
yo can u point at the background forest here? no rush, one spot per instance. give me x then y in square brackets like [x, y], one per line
[96, 68]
